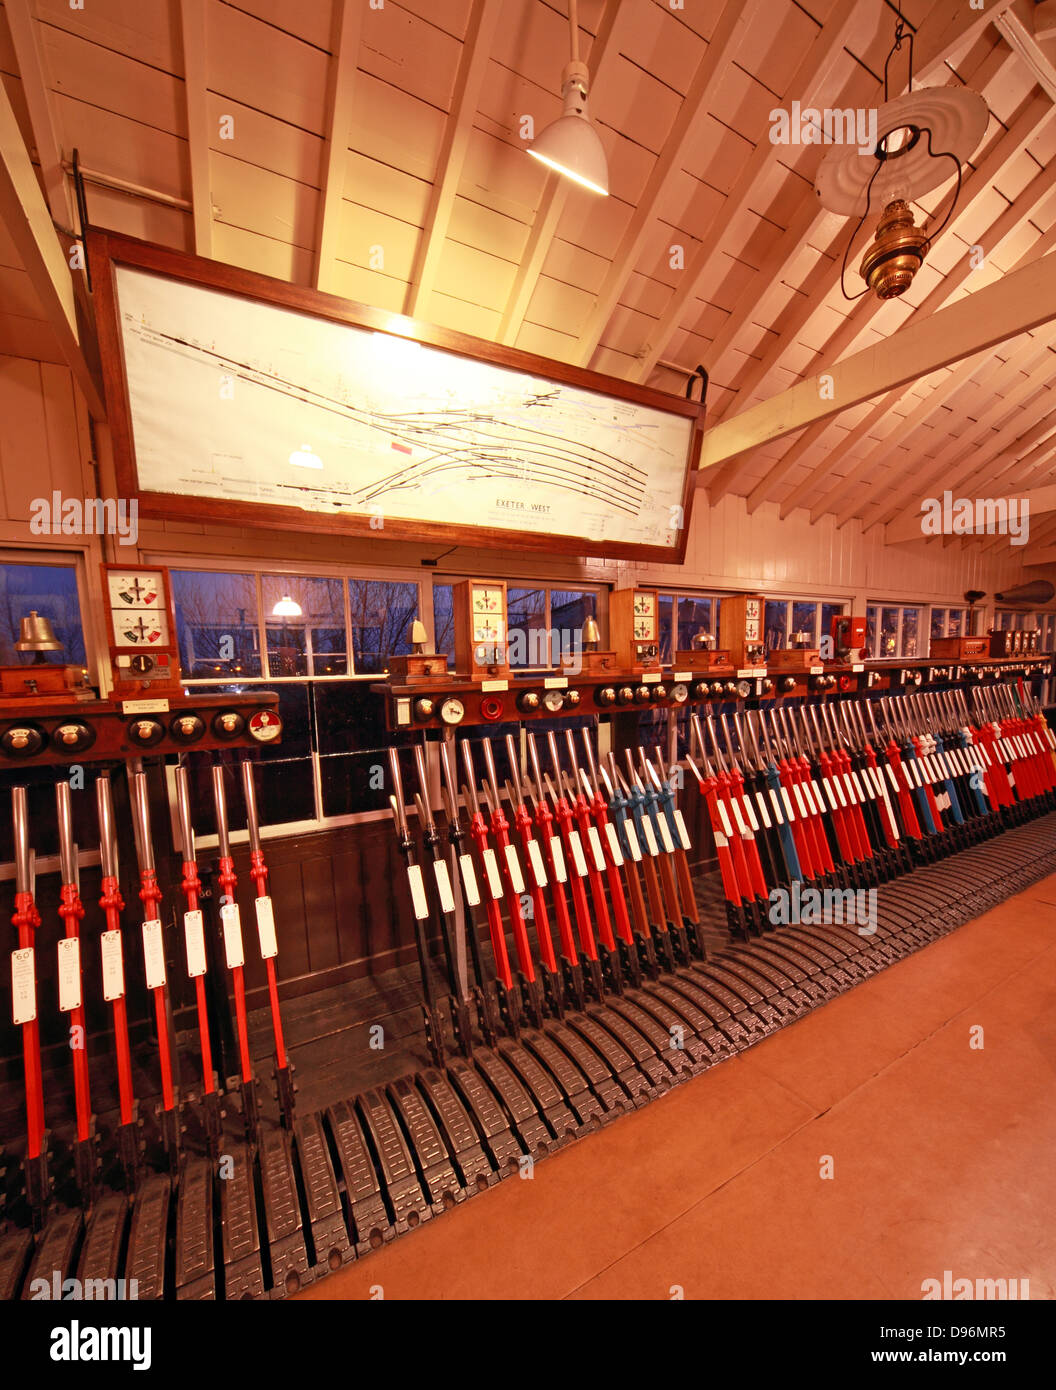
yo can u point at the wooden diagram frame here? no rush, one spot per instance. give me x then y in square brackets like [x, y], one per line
[109, 249]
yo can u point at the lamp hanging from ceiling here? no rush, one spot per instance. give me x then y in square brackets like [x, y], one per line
[571, 145]
[917, 136]
[287, 608]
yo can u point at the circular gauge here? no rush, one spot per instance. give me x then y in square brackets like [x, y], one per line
[264, 726]
[680, 692]
[21, 741]
[554, 701]
[74, 736]
[146, 732]
[452, 710]
[228, 724]
[424, 709]
[187, 728]
[571, 698]
[528, 700]
[744, 689]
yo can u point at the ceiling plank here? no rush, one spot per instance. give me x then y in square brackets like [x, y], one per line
[1017, 303]
[195, 85]
[735, 19]
[347, 25]
[29, 226]
[954, 462]
[1041, 557]
[472, 67]
[603, 54]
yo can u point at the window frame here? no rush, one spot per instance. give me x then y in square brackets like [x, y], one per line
[819, 603]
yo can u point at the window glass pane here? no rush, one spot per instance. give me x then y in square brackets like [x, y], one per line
[382, 612]
[805, 619]
[292, 636]
[349, 717]
[938, 623]
[443, 619]
[955, 622]
[889, 631]
[694, 615]
[526, 617]
[569, 610]
[665, 605]
[50, 591]
[910, 631]
[870, 630]
[776, 624]
[216, 623]
[828, 612]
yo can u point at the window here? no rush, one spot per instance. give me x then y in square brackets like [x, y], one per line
[786, 620]
[51, 592]
[948, 622]
[320, 640]
[544, 623]
[697, 614]
[893, 631]
[1004, 618]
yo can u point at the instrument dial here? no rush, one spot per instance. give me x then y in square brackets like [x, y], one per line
[680, 692]
[452, 710]
[554, 700]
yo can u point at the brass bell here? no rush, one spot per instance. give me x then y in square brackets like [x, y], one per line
[36, 635]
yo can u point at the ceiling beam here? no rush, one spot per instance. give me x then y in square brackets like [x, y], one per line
[28, 221]
[812, 76]
[1041, 557]
[469, 79]
[1017, 303]
[711, 69]
[346, 27]
[25, 39]
[603, 52]
[195, 85]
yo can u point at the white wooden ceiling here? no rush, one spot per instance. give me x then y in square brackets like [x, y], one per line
[374, 148]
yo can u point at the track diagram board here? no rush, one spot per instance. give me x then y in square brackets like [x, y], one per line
[233, 399]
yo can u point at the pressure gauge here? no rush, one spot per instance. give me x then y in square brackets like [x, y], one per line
[554, 700]
[744, 689]
[680, 692]
[138, 629]
[452, 710]
[264, 726]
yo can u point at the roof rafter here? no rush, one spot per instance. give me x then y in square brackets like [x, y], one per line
[346, 28]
